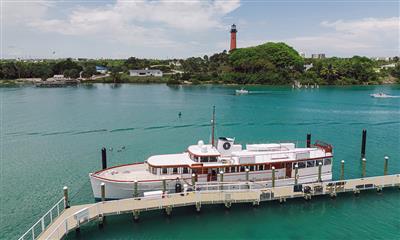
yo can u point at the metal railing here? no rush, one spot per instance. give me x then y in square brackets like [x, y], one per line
[45, 220]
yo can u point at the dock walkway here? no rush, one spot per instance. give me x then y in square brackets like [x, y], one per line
[216, 193]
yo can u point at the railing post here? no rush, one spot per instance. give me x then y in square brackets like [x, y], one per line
[385, 169]
[320, 172]
[135, 188]
[273, 176]
[364, 163]
[342, 170]
[66, 200]
[296, 170]
[42, 223]
[103, 191]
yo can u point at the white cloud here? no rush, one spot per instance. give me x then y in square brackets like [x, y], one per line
[370, 36]
[137, 21]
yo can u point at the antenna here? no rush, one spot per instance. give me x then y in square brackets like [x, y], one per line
[213, 127]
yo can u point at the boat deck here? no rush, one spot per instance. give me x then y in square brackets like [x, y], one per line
[74, 217]
[132, 172]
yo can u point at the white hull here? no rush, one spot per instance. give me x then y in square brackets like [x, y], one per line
[119, 190]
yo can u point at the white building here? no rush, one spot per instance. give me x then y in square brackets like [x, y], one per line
[146, 73]
[318, 55]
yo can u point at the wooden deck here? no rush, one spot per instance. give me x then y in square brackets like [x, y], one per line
[73, 217]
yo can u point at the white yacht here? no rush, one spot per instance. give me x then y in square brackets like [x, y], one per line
[201, 163]
[241, 91]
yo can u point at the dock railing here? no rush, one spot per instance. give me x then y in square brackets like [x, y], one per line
[205, 193]
[46, 220]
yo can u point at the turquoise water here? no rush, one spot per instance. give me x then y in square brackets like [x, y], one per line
[52, 137]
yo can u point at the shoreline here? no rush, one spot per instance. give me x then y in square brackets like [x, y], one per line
[20, 83]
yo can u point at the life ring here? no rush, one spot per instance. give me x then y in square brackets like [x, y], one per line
[226, 145]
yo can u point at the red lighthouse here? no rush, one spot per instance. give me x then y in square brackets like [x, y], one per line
[233, 37]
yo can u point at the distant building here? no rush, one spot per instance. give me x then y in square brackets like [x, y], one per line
[303, 55]
[146, 73]
[392, 65]
[101, 69]
[318, 55]
[175, 63]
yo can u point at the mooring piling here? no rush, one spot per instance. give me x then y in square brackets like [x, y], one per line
[342, 170]
[364, 166]
[273, 176]
[135, 188]
[103, 191]
[385, 168]
[66, 200]
[193, 179]
[164, 185]
[296, 170]
[363, 143]
[308, 140]
[319, 172]
[104, 158]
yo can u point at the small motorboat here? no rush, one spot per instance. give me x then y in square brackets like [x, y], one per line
[382, 95]
[241, 91]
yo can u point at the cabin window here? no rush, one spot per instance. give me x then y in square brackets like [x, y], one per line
[301, 164]
[317, 162]
[203, 159]
[261, 167]
[185, 170]
[174, 170]
[164, 170]
[213, 159]
[267, 167]
[233, 169]
[310, 163]
[327, 161]
[242, 168]
[251, 168]
[227, 169]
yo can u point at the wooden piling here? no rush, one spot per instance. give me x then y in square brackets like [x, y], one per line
[320, 172]
[385, 168]
[164, 184]
[273, 176]
[103, 191]
[363, 143]
[104, 158]
[364, 163]
[342, 170]
[135, 189]
[296, 170]
[309, 140]
[193, 180]
[66, 200]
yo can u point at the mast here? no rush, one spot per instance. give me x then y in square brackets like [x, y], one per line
[213, 127]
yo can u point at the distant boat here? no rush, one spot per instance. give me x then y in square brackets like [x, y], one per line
[382, 95]
[241, 91]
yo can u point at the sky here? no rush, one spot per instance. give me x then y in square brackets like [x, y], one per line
[184, 28]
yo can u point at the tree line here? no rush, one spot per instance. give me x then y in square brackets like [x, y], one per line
[269, 63]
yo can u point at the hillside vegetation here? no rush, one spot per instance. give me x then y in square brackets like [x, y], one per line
[269, 63]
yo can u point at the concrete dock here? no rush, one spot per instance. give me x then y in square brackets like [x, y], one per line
[74, 217]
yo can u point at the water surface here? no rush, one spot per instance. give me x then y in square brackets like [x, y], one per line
[52, 137]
